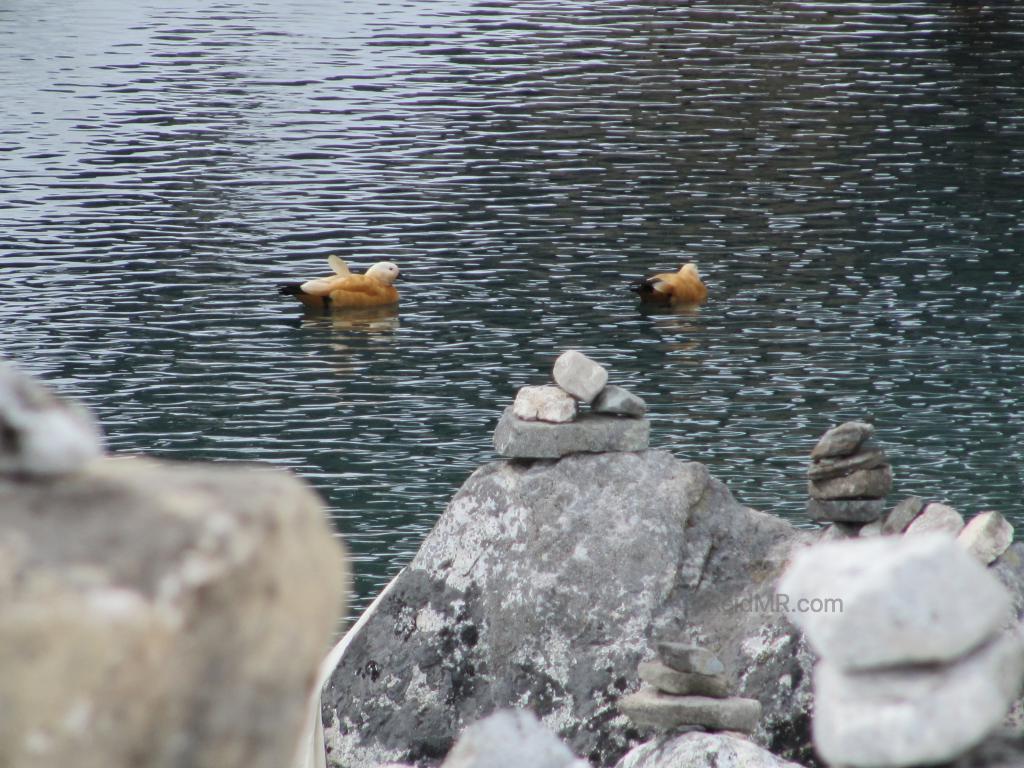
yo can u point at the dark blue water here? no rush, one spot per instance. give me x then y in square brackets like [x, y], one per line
[850, 179]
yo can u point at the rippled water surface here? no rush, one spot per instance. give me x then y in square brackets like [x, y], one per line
[849, 177]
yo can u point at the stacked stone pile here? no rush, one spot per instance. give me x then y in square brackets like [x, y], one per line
[849, 476]
[687, 690]
[915, 664]
[545, 421]
[848, 479]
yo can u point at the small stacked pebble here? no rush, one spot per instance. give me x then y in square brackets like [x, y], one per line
[916, 665]
[687, 690]
[849, 476]
[545, 422]
[848, 479]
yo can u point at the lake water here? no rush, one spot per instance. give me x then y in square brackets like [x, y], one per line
[849, 177]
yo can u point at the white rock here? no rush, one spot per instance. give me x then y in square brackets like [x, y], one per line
[936, 518]
[700, 750]
[987, 536]
[915, 715]
[545, 403]
[42, 435]
[580, 376]
[510, 739]
[887, 600]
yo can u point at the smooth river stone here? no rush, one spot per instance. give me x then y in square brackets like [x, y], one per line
[580, 376]
[515, 438]
[842, 440]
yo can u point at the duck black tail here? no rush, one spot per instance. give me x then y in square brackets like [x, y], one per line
[642, 287]
[292, 289]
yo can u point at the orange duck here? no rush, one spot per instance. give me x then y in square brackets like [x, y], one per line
[347, 290]
[680, 288]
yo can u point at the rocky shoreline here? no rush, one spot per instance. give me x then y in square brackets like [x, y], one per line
[583, 601]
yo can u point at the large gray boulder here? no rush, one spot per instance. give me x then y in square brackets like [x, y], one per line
[702, 750]
[542, 587]
[161, 614]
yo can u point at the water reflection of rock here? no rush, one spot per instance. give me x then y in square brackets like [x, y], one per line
[370, 320]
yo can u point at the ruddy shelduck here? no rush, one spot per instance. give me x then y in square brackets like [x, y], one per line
[682, 288]
[347, 290]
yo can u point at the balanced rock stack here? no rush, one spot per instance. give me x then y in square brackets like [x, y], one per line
[545, 422]
[687, 690]
[915, 664]
[849, 476]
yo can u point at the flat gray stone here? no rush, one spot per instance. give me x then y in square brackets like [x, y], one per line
[650, 707]
[842, 440]
[618, 401]
[580, 376]
[546, 403]
[591, 433]
[686, 657]
[915, 715]
[823, 469]
[892, 600]
[937, 518]
[845, 510]
[902, 515]
[669, 680]
[986, 536]
[862, 484]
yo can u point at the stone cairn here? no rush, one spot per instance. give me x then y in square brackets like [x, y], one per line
[545, 422]
[687, 690]
[916, 665]
[848, 481]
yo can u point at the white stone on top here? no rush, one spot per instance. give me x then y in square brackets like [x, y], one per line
[580, 376]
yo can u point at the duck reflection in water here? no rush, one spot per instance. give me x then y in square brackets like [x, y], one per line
[370, 320]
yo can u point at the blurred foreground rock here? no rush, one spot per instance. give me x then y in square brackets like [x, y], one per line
[156, 614]
[921, 656]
